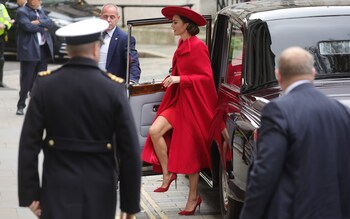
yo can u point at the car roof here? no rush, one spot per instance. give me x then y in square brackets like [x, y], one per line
[271, 10]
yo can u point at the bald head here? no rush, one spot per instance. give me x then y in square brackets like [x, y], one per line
[295, 64]
[295, 61]
[88, 50]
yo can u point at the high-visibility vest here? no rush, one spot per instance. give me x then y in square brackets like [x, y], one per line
[4, 19]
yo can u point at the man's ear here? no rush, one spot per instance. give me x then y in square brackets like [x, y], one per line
[278, 75]
[313, 73]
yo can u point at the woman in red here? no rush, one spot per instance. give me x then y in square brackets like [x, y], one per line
[178, 137]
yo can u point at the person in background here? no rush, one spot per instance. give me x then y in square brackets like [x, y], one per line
[34, 47]
[178, 139]
[5, 24]
[84, 133]
[114, 49]
[21, 2]
[301, 168]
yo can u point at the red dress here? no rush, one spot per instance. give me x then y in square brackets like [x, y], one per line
[195, 99]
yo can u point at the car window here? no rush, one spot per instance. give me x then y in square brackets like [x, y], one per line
[234, 58]
[156, 47]
[316, 40]
[155, 51]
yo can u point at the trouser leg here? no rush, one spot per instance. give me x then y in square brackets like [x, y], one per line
[27, 76]
[29, 71]
[42, 65]
[2, 61]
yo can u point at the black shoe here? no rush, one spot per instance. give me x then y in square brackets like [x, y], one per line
[20, 111]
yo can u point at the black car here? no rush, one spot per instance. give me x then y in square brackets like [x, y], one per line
[61, 12]
[246, 42]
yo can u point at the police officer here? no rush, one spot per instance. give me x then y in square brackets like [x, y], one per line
[80, 110]
[5, 24]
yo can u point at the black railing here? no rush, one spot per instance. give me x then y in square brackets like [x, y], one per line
[141, 6]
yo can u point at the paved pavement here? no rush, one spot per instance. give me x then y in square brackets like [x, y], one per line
[154, 205]
[10, 127]
[167, 205]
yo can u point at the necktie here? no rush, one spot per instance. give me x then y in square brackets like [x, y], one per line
[104, 34]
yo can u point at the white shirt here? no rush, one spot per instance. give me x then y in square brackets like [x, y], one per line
[294, 85]
[41, 39]
[104, 49]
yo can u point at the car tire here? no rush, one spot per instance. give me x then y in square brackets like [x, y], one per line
[230, 209]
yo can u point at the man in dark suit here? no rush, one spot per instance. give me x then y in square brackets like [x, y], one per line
[301, 169]
[114, 50]
[81, 109]
[34, 46]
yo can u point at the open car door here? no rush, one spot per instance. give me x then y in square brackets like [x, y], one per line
[156, 44]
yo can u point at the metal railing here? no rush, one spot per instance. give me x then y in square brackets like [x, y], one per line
[141, 6]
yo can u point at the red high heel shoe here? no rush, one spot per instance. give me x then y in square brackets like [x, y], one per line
[172, 178]
[199, 202]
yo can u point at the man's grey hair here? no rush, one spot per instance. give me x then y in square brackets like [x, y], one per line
[295, 61]
[80, 50]
[108, 5]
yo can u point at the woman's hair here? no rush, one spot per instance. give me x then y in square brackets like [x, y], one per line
[192, 28]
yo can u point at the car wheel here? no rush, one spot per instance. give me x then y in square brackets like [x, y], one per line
[230, 209]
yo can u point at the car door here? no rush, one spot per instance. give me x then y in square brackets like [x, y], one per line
[156, 44]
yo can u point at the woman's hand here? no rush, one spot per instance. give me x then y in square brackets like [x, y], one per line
[170, 80]
[35, 208]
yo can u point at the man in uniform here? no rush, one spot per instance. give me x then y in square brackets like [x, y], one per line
[5, 24]
[81, 109]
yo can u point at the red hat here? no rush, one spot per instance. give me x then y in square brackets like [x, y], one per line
[170, 11]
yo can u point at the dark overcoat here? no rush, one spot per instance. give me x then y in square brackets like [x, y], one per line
[302, 166]
[28, 48]
[72, 116]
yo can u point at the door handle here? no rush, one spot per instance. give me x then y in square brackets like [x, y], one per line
[155, 108]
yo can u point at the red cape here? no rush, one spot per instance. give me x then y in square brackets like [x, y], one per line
[196, 99]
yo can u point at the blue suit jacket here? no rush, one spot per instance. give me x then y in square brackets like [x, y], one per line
[117, 56]
[28, 48]
[302, 165]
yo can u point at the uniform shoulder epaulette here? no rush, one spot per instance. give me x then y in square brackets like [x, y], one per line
[115, 78]
[44, 73]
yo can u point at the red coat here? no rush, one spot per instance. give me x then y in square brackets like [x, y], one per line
[196, 99]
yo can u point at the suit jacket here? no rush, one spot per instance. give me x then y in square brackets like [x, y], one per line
[28, 48]
[302, 165]
[80, 109]
[117, 56]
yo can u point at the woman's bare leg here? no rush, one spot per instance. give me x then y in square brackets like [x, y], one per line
[193, 193]
[159, 127]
